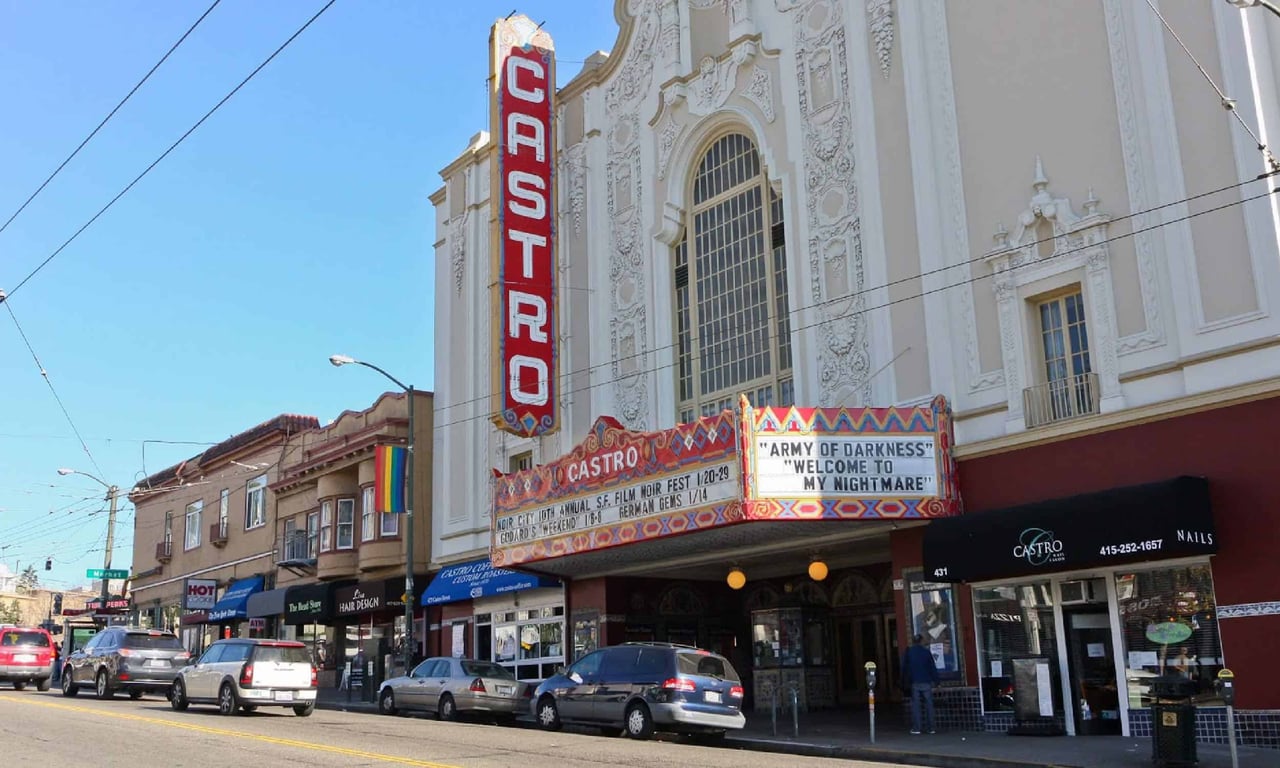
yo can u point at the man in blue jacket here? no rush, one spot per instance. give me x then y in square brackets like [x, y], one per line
[919, 674]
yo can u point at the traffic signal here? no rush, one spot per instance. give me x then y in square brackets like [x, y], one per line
[48, 563]
[57, 604]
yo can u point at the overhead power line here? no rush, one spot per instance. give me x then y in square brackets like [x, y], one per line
[110, 115]
[172, 147]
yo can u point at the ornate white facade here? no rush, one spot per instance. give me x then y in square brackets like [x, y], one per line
[898, 136]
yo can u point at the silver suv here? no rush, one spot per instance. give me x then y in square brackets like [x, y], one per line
[241, 674]
[133, 659]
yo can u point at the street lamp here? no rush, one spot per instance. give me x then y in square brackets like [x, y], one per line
[113, 493]
[338, 361]
[1254, 3]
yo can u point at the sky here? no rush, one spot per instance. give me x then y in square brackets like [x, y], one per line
[292, 225]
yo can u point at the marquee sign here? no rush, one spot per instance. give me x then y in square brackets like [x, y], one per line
[522, 123]
[618, 486]
[843, 463]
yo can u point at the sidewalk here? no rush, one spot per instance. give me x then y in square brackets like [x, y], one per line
[843, 735]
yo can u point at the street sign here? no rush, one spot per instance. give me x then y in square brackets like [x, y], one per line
[100, 573]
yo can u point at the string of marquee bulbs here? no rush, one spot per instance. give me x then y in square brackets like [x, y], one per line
[818, 571]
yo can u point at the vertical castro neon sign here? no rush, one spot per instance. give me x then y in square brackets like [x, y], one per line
[524, 238]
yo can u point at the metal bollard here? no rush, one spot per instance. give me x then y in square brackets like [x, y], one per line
[773, 710]
[795, 712]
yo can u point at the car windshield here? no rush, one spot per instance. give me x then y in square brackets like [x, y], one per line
[19, 637]
[706, 665]
[289, 654]
[486, 669]
[157, 641]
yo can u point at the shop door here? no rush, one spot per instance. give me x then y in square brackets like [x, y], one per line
[859, 639]
[1091, 664]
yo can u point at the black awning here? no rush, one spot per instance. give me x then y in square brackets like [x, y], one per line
[1155, 521]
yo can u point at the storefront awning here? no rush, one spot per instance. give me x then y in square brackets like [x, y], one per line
[479, 578]
[1137, 523]
[193, 619]
[269, 603]
[235, 600]
[311, 603]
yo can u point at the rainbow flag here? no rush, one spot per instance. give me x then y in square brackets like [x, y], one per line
[389, 470]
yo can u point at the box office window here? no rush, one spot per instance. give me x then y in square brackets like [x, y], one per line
[1169, 621]
[529, 642]
[1014, 622]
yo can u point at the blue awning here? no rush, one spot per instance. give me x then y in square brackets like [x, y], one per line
[479, 578]
[235, 600]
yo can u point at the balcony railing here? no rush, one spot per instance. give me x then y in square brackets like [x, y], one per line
[164, 551]
[218, 534]
[298, 548]
[1061, 399]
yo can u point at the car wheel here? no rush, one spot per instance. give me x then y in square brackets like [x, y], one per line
[226, 700]
[102, 686]
[68, 688]
[387, 702]
[178, 697]
[19, 685]
[135, 695]
[304, 710]
[42, 684]
[639, 722]
[447, 710]
[548, 714]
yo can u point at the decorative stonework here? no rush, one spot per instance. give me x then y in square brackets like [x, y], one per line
[458, 248]
[623, 182]
[667, 134]
[1131, 145]
[573, 162]
[760, 91]
[738, 11]
[1246, 610]
[1018, 259]
[880, 23]
[831, 198]
[717, 80]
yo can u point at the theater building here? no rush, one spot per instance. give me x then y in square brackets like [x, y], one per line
[1026, 235]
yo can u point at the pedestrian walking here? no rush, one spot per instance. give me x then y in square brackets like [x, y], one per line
[919, 675]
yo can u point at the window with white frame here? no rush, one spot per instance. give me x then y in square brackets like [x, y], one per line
[346, 524]
[224, 508]
[255, 503]
[1064, 346]
[192, 538]
[522, 461]
[732, 324]
[368, 523]
[390, 524]
[313, 534]
[326, 526]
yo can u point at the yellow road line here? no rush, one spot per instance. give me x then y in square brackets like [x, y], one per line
[234, 734]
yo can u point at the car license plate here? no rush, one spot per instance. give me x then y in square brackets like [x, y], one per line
[284, 695]
[24, 657]
[505, 690]
[715, 697]
[157, 663]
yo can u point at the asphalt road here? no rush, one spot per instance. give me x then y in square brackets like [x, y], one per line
[48, 729]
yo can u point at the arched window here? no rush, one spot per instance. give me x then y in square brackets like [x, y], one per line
[733, 329]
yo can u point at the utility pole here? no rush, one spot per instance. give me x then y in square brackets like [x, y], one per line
[113, 493]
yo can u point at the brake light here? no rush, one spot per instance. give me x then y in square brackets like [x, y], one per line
[477, 686]
[182, 656]
[246, 675]
[315, 677]
[736, 691]
[679, 684]
[128, 652]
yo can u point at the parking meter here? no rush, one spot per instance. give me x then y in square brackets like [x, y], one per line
[870, 666]
[1226, 687]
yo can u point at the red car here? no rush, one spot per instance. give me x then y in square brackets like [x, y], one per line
[26, 656]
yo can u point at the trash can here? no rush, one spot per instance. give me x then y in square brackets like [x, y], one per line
[1173, 721]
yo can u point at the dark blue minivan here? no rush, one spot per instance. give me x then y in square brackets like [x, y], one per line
[642, 688]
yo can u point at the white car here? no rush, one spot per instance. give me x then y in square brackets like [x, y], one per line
[240, 675]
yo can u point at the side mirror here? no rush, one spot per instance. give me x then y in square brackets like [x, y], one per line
[575, 677]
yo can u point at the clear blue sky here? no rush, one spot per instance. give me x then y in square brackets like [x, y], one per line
[292, 225]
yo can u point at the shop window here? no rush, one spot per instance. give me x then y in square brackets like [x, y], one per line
[931, 612]
[1168, 618]
[192, 538]
[368, 529]
[326, 526]
[732, 318]
[346, 530]
[1014, 622]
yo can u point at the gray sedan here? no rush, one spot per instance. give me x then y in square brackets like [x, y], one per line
[448, 687]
